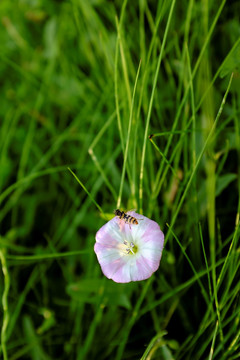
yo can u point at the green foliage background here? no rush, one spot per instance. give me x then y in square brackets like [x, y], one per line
[83, 85]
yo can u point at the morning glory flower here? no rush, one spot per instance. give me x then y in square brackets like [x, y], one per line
[129, 252]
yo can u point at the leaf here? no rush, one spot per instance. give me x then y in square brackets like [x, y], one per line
[156, 342]
[91, 291]
[232, 61]
[223, 182]
[50, 38]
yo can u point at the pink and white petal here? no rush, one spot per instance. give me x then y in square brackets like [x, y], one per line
[152, 257]
[135, 269]
[122, 275]
[139, 269]
[144, 225]
[151, 247]
[145, 269]
[153, 236]
[154, 242]
[109, 259]
[129, 272]
[109, 233]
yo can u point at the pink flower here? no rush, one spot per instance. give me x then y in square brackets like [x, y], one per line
[129, 252]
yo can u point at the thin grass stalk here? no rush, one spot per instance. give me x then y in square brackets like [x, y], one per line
[128, 139]
[6, 314]
[150, 106]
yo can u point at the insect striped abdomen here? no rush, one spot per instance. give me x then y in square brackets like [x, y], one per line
[134, 221]
[127, 218]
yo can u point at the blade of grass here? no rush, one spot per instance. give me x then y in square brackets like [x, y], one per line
[6, 314]
[206, 298]
[40, 257]
[150, 106]
[128, 139]
[154, 344]
[156, 187]
[206, 263]
[163, 156]
[132, 320]
[200, 157]
[102, 172]
[175, 291]
[213, 342]
[30, 177]
[84, 188]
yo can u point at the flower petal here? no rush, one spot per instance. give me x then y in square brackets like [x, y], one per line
[110, 260]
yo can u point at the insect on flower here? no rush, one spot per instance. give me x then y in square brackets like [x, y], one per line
[129, 253]
[128, 219]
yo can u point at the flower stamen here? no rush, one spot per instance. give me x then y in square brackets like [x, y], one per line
[131, 248]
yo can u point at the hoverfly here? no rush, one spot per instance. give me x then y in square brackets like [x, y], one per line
[128, 219]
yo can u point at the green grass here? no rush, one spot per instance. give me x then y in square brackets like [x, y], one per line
[83, 86]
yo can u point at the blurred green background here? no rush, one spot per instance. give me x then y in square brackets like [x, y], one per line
[72, 97]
